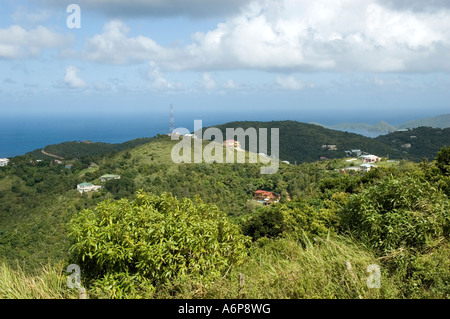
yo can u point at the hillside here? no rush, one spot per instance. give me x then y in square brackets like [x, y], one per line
[80, 149]
[298, 248]
[418, 143]
[301, 142]
[34, 195]
[440, 121]
[381, 128]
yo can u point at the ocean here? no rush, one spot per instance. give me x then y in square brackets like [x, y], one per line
[22, 133]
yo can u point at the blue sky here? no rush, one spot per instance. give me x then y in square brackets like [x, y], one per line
[336, 60]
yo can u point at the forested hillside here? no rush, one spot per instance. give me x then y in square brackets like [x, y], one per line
[301, 142]
[71, 150]
[167, 230]
[418, 143]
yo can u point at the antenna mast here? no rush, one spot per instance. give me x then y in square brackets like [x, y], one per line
[172, 122]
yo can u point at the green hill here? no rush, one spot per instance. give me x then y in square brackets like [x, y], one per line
[299, 248]
[440, 121]
[301, 142]
[80, 149]
[380, 127]
[417, 143]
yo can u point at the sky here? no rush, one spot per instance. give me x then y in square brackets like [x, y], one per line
[328, 61]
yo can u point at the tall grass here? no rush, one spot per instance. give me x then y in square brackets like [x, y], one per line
[49, 284]
[299, 269]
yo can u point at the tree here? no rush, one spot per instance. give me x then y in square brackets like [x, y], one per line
[443, 160]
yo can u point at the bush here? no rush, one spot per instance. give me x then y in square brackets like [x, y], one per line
[127, 248]
[290, 218]
[398, 213]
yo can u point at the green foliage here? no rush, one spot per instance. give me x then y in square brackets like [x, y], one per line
[305, 269]
[425, 142]
[443, 161]
[288, 219]
[153, 240]
[301, 142]
[70, 150]
[398, 213]
[50, 283]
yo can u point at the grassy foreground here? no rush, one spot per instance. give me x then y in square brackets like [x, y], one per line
[275, 269]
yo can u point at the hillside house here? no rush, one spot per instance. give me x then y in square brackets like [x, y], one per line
[109, 177]
[68, 166]
[366, 167]
[370, 158]
[4, 162]
[330, 147]
[190, 136]
[232, 143]
[356, 152]
[87, 187]
[266, 197]
[349, 169]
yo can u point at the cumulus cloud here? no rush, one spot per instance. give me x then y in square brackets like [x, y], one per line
[114, 46]
[72, 79]
[208, 82]
[17, 42]
[297, 36]
[158, 81]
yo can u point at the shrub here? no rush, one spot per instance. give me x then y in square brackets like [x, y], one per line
[290, 218]
[127, 248]
[398, 213]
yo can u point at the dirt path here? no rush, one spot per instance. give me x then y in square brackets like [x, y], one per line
[52, 155]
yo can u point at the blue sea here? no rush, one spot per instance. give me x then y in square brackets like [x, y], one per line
[22, 133]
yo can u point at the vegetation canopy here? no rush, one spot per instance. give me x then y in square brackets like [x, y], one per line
[133, 245]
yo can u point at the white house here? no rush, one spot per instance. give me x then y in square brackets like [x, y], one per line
[109, 177]
[190, 136]
[87, 187]
[366, 167]
[4, 162]
[357, 152]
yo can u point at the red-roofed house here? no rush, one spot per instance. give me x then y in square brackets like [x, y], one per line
[266, 197]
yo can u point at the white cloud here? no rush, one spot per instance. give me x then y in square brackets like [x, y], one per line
[289, 83]
[114, 46]
[231, 85]
[17, 42]
[158, 81]
[72, 79]
[208, 82]
[297, 36]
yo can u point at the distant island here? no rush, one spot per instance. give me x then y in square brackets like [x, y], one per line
[382, 127]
